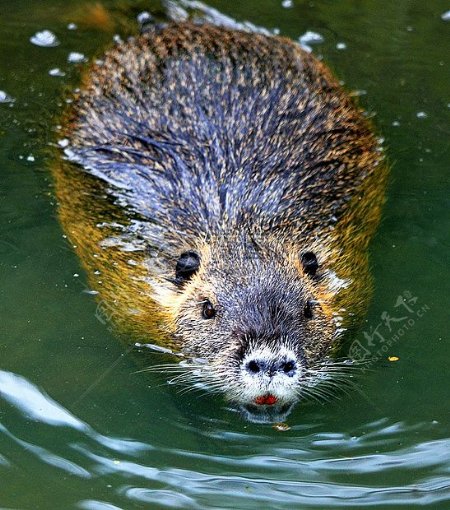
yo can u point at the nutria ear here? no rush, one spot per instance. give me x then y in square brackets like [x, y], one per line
[187, 265]
[309, 263]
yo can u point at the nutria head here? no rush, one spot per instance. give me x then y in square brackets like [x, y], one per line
[256, 314]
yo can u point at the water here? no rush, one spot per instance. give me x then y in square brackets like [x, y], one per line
[80, 428]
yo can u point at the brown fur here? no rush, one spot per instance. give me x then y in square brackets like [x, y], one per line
[333, 193]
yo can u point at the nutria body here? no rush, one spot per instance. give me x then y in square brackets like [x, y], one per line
[246, 185]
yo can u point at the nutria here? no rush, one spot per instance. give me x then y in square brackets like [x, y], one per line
[230, 190]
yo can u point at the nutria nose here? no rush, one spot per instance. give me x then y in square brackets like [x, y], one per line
[286, 366]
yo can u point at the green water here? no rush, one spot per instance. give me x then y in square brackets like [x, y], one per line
[80, 429]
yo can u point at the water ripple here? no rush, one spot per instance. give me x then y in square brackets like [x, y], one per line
[319, 469]
[90, 504]
[38, 406]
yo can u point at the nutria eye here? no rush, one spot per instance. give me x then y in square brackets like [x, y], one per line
[208, 310]
[308, 310]
[187, 266]
[309, 263]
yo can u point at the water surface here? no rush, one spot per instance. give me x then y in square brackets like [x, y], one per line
[79, 428]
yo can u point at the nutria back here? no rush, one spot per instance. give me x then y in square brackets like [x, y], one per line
[256, 180]
[212, 129]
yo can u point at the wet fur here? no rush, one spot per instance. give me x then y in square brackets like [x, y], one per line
[244, 148]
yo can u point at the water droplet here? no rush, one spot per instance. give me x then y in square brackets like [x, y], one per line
[5, 98]
[154, 347]
[287, 4]
[30, 158]
[63, 143]
[45, 39]
[56, 72]
[421, 115]
[358, 93]
[76, 58]
[90, 292]
[310, 37]
[281, 427]
[72, 26]
[445, 16]
[341, 46]
[143, 17]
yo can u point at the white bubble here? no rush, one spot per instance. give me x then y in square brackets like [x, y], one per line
[5, 98]
[153, 347]
[421, 115]
[341, 46]
[56, 72]
[76, 58]
[310, 37]
[72, 26]
[143, 17]
[90, 292]
[30, 158]
[445, 16]
[45, 38]
[63, 143]
[287, 4]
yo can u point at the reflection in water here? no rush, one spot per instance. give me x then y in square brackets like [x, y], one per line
[293, 469]
[265, 414]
